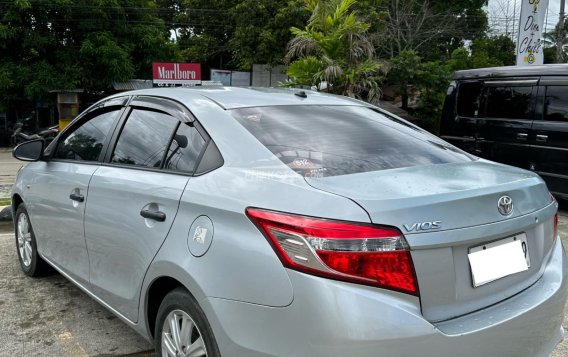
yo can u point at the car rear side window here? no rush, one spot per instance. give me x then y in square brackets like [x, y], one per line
[144, 139]
[468, 99]
[556, 104]
[320, 141]
[185, 149]
[86, 142]
[509, 102]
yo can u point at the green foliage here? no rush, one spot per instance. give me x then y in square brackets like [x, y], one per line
[69, 44]
[485, 52]
[305, 71]
[262, 30]
[426, 80]
[434, 80]
[404, 73]
[460, 59]
[103, 61]
[335, 48]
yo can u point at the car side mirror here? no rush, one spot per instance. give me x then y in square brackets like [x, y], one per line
[30, 150]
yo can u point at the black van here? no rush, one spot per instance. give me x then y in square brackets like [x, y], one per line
[514, 115]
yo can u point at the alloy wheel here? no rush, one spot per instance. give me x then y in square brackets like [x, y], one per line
[25, 240]
[181, 336]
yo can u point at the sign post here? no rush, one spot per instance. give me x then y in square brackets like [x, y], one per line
[530, 49]
[169, 74]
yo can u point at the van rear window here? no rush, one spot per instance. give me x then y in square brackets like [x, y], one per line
[321, 141]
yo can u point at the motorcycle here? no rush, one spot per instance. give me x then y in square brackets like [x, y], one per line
[22, 132]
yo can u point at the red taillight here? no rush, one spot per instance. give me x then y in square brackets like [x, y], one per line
[357, 253]
[555, 226]
[555, 218]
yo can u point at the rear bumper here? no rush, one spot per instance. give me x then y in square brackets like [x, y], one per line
[329, 318]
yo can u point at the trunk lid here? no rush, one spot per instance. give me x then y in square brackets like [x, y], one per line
[444, 211]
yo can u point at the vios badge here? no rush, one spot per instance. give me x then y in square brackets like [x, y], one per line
[505, 205]
[423, 226]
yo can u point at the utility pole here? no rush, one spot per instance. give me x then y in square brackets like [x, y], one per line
[560, 34]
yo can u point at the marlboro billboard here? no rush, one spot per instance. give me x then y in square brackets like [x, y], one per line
[171, 74]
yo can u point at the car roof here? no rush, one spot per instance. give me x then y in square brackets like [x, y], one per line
[514, 71]
[239, 97]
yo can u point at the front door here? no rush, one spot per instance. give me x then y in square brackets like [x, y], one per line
[459, 123]
[59, 192]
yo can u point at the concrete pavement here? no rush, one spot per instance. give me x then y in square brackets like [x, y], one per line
[49, 316]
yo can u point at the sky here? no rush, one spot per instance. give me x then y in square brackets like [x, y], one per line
[504, 15]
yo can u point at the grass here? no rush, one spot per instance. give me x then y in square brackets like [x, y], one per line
[5, 201]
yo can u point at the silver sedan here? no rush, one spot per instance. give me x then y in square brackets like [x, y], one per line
[249, 222]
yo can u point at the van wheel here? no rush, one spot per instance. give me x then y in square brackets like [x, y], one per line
[30, 261]
[182, 329]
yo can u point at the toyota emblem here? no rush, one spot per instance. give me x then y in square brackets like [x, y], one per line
[505, 205]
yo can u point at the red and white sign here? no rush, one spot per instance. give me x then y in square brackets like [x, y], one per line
[169, 73]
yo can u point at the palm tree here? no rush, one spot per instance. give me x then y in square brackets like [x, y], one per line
[549, 38]
[335, 50]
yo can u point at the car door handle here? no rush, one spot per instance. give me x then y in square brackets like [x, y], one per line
[522, 136]
[77, 197]
[156, 216]
[542, 138]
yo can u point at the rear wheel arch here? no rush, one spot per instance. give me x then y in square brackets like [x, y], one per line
[157, 291]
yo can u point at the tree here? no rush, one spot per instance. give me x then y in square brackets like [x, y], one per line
[550, 40]
[334, 49]
[68, 44]
[205, 28]
[412, 25]
[237, 34]
[432, 28]
[426, 80]
[484, 52]
[262, 30]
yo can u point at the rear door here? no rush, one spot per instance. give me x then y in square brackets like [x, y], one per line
[550, 139]
[135, 198]
[505, 131]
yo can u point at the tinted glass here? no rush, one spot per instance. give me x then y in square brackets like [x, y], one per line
[509, 102]
[86, 142]
[337, 140]
[556, 103]
[185, 149]
[144, 139]
[468, 99]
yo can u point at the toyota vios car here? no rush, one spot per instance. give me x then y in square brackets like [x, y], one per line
[263, 222]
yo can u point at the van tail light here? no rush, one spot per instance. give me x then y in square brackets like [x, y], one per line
[555, 227]
[357, 253]
[553, 200]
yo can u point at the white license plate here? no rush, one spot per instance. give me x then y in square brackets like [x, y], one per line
[499, 259]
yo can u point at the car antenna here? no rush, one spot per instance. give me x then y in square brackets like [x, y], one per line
[301, 94]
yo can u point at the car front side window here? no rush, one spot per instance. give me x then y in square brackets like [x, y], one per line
[86, 142]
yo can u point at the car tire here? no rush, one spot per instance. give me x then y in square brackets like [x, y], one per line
[179, 310]
[26, 247]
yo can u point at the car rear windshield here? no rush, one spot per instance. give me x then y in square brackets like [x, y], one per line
[322, 141]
